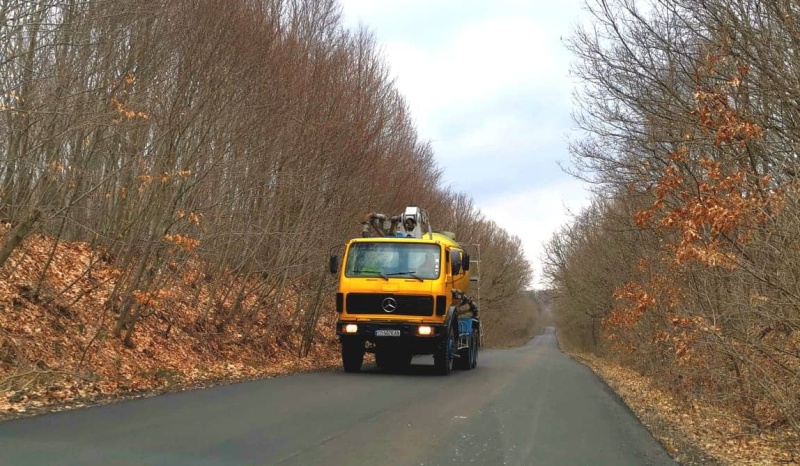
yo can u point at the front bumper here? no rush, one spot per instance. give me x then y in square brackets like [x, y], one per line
[409, 335]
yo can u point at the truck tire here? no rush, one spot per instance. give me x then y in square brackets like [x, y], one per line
[382, 359]
[464, 360]
[352, 355]
[443, 357]
[468, 357]
[405, 360]
[474, 360]
[393, 360]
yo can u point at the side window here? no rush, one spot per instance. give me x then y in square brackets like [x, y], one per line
[455, 261]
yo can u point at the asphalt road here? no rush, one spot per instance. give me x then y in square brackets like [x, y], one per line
[525, 406]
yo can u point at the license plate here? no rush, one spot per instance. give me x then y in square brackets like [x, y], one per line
[387, 333]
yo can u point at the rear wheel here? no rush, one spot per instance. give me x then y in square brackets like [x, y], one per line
[393, 359]
[468, 357]
[474, 360]
[352, 354]
[443, 357]
[464, 360]
[404, 360]
[381, 359]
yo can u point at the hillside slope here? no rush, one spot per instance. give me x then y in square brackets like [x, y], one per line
[56, 343]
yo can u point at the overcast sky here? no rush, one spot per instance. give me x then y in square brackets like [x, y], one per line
[487, 82]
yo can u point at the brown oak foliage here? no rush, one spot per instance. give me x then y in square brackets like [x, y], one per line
[686, 268]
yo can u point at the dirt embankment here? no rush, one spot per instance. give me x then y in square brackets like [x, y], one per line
[57, 348]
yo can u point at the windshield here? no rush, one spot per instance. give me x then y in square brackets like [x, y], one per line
[393, 260]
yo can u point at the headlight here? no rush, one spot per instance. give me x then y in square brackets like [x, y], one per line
[425, 330]
[350, 328]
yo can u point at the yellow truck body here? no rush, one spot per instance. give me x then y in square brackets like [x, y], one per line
[392, 302]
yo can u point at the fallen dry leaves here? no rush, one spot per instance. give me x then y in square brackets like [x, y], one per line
[696, 432]
[56, 353]
[57, 350]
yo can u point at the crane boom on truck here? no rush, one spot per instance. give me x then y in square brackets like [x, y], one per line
[402, 292]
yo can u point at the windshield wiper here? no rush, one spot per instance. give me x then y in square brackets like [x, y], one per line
[410, 272]
[380, 274]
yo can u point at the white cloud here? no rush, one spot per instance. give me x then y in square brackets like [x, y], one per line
[484, 61]
[535, 214]
[511, 135]
[487, 84]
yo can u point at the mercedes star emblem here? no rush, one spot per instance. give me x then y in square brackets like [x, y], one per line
[389, 304]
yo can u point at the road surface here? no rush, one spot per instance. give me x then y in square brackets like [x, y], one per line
[525, 406]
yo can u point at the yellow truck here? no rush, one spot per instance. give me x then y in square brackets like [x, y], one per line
[402, 292]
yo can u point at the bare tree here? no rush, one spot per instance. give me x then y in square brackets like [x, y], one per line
[690, 115]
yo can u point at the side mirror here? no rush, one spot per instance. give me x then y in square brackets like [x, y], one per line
[465, 262]
[333, 265]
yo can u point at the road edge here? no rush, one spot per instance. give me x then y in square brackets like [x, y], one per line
[680, 447]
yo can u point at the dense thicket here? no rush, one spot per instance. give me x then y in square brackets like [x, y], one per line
[687, 264]
[240, 138]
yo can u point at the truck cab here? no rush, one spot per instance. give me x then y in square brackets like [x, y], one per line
[404, 294]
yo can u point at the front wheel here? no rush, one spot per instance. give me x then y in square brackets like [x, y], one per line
[443, 357]
[352, 355]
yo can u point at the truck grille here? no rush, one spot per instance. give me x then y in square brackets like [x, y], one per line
[370, 303]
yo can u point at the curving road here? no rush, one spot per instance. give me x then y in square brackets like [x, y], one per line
[526, 406]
